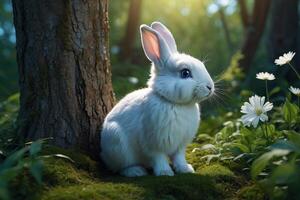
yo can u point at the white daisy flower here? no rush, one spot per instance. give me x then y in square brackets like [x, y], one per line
[295, 91]
[255, 110]
[265, 76]
[286, 58]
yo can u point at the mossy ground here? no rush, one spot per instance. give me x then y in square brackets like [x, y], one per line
[88, 179]
[84, 178]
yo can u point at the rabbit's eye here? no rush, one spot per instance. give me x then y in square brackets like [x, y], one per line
[186, 73]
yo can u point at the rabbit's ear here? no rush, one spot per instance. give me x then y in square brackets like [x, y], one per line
[166, 34]
[154, 45]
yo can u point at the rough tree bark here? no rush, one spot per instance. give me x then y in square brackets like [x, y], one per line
[254, 25]
[64, 70]
[128, 40]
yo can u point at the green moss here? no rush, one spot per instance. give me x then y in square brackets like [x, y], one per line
[83, 178]
[178, 187]
[251, 192]
[194, 158]
[23, 185]
[59, 172]
[67, 180]
[95, 191]
[226, 181]
[81, 161]
[76, 169]
[216, 170]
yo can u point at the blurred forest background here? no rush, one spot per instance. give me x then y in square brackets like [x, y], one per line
[211, 30]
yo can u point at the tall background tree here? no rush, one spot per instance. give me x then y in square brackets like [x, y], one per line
[283, 35]
[64, 70]
[254, 22]
[225, 28]
[133, 20]
[8, 69]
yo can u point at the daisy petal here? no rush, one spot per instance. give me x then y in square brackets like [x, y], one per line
[255, 110]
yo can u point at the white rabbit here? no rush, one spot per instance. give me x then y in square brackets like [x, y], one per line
[152, 126]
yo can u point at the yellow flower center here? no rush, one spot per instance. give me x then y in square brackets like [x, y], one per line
[258, 111]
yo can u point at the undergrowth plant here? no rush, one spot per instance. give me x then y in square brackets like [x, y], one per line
[265, 141]
[24, 161]
[8, 117]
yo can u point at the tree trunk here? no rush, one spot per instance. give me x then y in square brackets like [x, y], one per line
[245, 18]
[128, 41]
[254, 27]
[64, 70]
[225, 28]
[284, 28]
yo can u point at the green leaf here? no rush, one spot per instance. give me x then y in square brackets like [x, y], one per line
[42, 140]
[207, 147]
[241, 147]
[260, 163]
[204, 137]
[4, 193]
[35, 147]
[284, 174]
[65, 157]
[13, 158]
[210, 157]
[271, 129]
[240, 156]
[227, 158]
[245, 131]
[274, 91]
[9, 173]
[294, 137]
[289, 111]
[260, 142]
[285, 145]
[36, 169]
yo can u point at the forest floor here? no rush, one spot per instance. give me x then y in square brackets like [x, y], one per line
[84, 178]
[87, 179]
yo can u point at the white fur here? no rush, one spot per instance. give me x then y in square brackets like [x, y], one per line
[152, 126]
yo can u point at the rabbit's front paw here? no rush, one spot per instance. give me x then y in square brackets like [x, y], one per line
[164, 172]
[184, 168]
[134, 171]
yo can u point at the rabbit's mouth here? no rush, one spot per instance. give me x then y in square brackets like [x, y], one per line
[202, 92]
